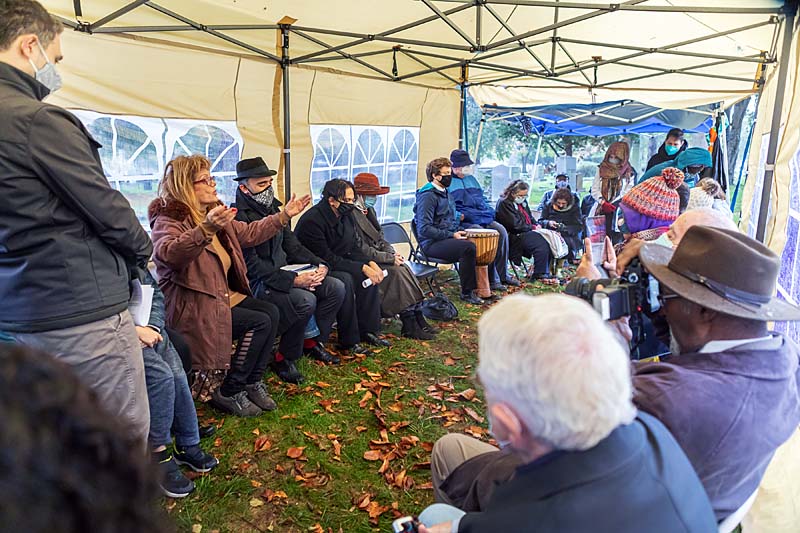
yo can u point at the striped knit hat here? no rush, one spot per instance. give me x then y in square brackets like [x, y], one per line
[657, 197]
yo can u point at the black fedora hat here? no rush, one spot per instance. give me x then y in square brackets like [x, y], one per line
[723, 270]
[254, 167]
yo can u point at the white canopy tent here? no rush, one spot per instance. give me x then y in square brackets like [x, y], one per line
[403, 62]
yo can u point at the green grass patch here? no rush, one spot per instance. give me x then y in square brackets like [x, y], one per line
[425, 390]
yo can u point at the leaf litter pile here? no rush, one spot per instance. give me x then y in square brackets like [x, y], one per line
[349, 449]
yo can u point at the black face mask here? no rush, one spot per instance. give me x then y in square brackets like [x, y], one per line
[446, 180]
[345, 209]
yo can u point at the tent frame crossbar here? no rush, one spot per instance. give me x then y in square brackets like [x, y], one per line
[481, 53]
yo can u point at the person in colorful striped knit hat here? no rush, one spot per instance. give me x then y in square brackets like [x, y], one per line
[648, 209]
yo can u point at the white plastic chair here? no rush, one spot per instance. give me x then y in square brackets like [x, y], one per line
[730, 523]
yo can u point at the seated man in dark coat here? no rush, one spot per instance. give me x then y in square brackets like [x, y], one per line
[732, 397]
[558, 396]
[329, 231]
[297, 296]
[563, 214]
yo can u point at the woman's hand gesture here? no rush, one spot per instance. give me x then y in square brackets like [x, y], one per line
[296, 205]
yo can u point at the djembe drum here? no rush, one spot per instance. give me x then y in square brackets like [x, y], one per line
[486, 241]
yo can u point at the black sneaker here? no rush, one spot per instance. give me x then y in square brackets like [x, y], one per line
[195, 458]
[287, 371]
[239, 404]
[206, 431]
[319, 353]
[173, 483]
[259, 395]
[498, 287]
[511, 282]
[356, 349]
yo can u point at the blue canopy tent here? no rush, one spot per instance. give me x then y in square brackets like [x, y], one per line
[608, 118]
[597, 120]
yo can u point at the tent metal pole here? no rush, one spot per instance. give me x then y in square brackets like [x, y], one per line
[116, 14]
[215, 33]
[383, 36]
[617, 7]
[427, 65]
[545, 29]
[478, 22]
[287, 152]
[348, 56]
[574, 63]
[555, 34]
[450, 23]
[462, 110]
[478, 140]
[521, 42]
[345, 55]
[775, 128]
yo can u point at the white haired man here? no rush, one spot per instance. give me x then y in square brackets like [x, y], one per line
[558, 396]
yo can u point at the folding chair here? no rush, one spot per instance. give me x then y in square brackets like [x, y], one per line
[394, 233]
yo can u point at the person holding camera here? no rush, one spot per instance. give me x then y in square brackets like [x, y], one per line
[558, 396]
[731, 398]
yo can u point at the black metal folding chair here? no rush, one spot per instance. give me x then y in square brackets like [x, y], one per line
[394, 234]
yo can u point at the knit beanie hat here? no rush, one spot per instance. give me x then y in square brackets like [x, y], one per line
[698, 198]
[656, 197]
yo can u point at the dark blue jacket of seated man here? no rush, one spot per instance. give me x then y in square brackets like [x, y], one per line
[434, 215]
[635, 480]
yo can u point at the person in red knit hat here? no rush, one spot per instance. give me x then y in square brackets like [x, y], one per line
[648, 209]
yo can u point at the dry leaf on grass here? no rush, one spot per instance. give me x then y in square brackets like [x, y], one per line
[295, 453]
[467, 395]
[372, 455]
[262, 444]
[256, 502]
[473, 415]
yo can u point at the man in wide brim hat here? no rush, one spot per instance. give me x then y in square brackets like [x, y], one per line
[729, 393]
[255, 167]
[722, 270]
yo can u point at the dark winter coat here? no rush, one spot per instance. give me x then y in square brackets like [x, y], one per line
[67, 239]
[264, 261]
[661, 155]
[191, 276]
[434, 215]
[509, 215]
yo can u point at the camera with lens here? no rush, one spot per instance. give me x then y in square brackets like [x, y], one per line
[634, 294]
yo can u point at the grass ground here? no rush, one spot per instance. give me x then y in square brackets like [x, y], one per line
[349, 450]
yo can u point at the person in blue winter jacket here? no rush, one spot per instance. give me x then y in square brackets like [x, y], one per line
[438, 230]
[473, 211]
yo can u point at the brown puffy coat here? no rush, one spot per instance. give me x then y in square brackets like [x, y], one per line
[191, 276]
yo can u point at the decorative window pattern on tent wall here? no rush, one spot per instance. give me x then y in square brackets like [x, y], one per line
[391, 153]
[789, 276]
[136, 150]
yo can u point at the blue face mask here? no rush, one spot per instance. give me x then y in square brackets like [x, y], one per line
[519, 200]
[690, 179]
[47, 75]
[671, 150]
[369, 201]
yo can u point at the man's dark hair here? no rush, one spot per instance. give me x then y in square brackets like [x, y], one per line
[18, 17]
[336, 188]
[675, 133]
[436, 166]
[562, 177]
[65, 464]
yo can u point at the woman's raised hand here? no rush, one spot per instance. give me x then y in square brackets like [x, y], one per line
[296, 205]
[219, 217]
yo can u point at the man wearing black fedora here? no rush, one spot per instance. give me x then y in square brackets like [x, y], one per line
[729, 391]
[298, 296]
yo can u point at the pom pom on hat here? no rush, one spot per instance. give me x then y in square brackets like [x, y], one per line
[672, 177]
[656, 197]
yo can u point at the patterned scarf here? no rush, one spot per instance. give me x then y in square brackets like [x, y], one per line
[611, 174]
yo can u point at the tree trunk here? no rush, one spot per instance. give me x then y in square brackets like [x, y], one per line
[567, 145]
[524, 161]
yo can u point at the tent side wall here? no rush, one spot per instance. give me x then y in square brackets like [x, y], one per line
[123, 75]
[789, 144]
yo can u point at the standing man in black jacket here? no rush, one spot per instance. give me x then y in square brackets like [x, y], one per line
[67, 239]
[297, 296]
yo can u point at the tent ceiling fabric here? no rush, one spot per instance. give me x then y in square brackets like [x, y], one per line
[518, 51]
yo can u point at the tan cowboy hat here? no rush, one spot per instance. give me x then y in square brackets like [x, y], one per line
[722, 270]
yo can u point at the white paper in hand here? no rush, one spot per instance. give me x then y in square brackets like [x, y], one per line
[141, 303]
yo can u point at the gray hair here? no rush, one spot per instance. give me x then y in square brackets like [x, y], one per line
[566, 376]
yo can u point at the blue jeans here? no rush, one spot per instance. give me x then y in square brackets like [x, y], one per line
[171, 405]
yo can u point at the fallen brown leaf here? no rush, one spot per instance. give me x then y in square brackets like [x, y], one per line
[295, 453]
